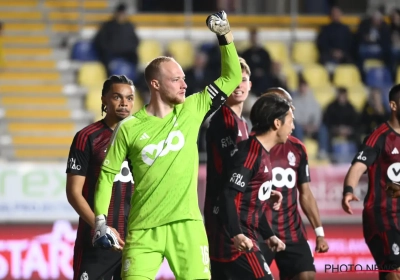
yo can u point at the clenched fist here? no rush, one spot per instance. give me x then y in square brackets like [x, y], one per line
[218, 23]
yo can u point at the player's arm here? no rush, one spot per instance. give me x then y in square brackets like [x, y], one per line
[78, 162]
[225, 137]
[362, 160]
[116, 153]
[308, 203]
[239, 174]
[216, 93]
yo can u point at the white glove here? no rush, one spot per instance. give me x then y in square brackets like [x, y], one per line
[104, 237]
[218, 23]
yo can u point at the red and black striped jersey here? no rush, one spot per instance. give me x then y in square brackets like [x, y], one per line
[86, 156]
[289, 171]
[380, 153]
[249, 174]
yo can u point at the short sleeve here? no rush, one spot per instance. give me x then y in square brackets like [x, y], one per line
[368, 151]
[303, 172]
[79, 154]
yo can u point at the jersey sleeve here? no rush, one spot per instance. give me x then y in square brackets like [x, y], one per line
[116, 153]
[216, 93]
[303, 172]
[242, 166]
[225, 138]
[368, 152]
[79, 155]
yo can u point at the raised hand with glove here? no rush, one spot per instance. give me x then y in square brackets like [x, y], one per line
[218, 23]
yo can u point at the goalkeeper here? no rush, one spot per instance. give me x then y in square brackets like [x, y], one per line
[160, 142]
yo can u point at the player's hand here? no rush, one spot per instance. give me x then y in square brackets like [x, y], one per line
[275, 244]
[346, 202]
[104, 237]
[321, 245]
[393, 189]
[242, 243]
[219, 24]
[120, 241]
[276, 199]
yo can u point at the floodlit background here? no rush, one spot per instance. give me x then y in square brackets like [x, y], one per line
[51, 75]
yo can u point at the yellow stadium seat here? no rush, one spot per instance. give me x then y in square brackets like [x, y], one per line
[92, 74]
[372, 63]
[357, 96]
[311, 147]
[148, 50]
[242, 45]
[278, 51]
[93, 101]
[182, 51]
[291, 76]
[398, 75]
[324, 95]
[304, 52]
[316, 75]
[347, 75]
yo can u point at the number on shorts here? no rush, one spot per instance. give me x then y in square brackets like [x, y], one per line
[205, 254]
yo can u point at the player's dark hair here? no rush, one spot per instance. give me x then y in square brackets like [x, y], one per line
[266, 110]
[394, 93]
[114, 79]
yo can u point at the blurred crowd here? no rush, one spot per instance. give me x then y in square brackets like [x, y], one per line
[338, 128]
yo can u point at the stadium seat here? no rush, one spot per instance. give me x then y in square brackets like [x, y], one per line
[242, 45]
[316, 75]
[304, 52]
[371, 63]
[84, 51]
[148, 50]
[398, 75]
[311, 147]
[278, 51]
[291, 76]
[182, 51]
[92, 74]
[93, 102]
[120, 66]
[357, 96]
[378, 77]
[324, 95]
[346, 75]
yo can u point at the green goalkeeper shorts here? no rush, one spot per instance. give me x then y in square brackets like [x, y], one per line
[183, 243]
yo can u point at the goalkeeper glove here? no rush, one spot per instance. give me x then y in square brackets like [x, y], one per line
[218, 23]
[104, 237]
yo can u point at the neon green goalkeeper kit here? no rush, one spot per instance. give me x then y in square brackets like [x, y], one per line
[163, 155]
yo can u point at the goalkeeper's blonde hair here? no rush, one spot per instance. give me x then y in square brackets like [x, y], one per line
[152, 70]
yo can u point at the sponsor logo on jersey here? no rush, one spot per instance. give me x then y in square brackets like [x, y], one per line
[283, 177]
[393, 172]
[174, 142]
[237, 179]
[226, 142]
[72, 164]
[264, 191]
[361, 157]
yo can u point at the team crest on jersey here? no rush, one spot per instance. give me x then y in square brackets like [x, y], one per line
[84, 276]
[291, 158]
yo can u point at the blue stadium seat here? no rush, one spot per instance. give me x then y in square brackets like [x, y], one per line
[120, 66]
[378, 77]
[84, 51]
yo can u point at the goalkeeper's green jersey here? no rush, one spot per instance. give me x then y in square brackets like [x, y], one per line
[163, 154]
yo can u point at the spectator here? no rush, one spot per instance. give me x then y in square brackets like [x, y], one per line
[341, 119]
[197, 77]
[117, 39]
[276, 78]
[374, 41]
[259, 62]
[374, 112]
[395, 33]
[308, 120]
[334, 41]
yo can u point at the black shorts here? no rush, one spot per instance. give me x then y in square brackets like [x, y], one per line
[96, 263]
[249, 266]
[385, 250]
[296, 258]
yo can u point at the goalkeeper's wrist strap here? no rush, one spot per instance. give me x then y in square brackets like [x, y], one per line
[347, 189]
[225, 39]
